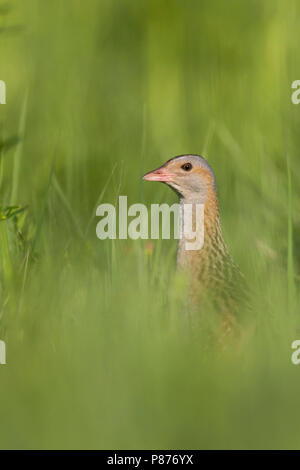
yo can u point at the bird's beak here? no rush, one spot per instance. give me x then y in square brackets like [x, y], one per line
[160, 174]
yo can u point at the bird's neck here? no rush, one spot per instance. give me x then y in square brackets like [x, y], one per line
[192, 260]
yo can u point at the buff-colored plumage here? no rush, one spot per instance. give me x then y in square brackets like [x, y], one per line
[212, 273]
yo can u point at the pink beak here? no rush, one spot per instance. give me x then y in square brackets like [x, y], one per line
[160, 174]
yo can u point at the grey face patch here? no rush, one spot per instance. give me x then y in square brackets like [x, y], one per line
[194, 183]
[193, 158]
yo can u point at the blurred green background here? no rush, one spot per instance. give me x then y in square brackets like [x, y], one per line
[99, 92]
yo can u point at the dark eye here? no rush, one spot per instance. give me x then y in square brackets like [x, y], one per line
[187, 166]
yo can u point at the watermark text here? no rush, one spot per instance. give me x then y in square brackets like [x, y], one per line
[188, 222]
[2, 352]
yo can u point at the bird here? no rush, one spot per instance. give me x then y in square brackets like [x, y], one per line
[212, 273]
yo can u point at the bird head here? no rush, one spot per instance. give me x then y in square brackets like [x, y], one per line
[190, 176]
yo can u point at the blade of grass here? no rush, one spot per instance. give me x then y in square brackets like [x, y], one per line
[18, 152]
[43, 209]
[143, 147]
[5, 145]
[67, 205]
[114, 264]
[5, 255]
[99, 200]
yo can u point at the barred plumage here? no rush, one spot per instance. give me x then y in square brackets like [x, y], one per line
[211, 270]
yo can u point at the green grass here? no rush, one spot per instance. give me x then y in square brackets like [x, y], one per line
[98, 350]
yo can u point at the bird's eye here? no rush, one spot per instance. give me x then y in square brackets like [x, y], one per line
[187, 166]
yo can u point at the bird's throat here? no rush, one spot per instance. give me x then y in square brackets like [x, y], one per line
[200, 260]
